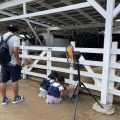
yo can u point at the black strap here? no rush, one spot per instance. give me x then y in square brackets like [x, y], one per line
[58, 86]
[1, 38]
[7, 38]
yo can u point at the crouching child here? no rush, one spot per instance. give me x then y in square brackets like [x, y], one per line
[55, 91]
[46, 84]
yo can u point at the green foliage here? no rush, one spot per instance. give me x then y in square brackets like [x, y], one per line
[94, 31]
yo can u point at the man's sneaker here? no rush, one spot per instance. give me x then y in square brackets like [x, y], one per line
[18, 99]
[5, 100]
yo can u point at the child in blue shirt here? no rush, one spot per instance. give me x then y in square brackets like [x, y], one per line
[55, 91]
[46, 84]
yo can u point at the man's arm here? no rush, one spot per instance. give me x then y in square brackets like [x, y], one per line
[16, 54]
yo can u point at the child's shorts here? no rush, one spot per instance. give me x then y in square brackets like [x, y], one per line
[42, 93]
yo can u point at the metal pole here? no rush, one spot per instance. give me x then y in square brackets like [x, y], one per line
[78, 86]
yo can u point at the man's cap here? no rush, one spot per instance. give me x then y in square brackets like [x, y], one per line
[13, 28]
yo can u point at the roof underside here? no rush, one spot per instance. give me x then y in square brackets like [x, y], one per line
[83, 16]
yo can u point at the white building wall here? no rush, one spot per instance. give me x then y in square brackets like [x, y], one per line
[59, 42]
[45, 35]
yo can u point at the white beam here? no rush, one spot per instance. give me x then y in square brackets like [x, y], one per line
[34, 22]
[87, 16]
[71, 18]
[75, 27]
[12, 3]
[98, 7]
[112, 71]
[46, 12]
[24, 8]
[72, 27]
[63, 14]
[107, 51]
[58, 20]
[37, 23]
[78, 26]
[103, 6]
[34, 33]
[116, 11]
[49, 16]
[80, 11]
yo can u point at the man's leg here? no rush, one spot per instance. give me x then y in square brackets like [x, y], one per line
[3, 89]
[16, 95]
[5, 77]
[3, 85]
[5, 100]
[15, 87]
[16, 74]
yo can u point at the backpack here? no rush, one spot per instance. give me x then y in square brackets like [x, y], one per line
[54, 91]
[5, 56]
[45, 84]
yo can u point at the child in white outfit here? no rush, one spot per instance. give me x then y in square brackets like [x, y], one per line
[46, 84]
[55, 91]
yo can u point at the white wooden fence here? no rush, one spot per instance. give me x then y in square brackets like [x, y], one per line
[46, 54]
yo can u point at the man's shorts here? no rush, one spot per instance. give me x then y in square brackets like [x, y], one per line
[10, 73]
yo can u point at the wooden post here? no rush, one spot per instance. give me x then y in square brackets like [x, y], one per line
[49, 54]
[24, 53]
[112, 72]
[107, 51]
[27, 44]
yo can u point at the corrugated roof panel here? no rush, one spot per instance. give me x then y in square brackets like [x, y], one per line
[42, 8]
[52, 1]
[34, 5]
[73, 16]
[59, 5]
[78, 1]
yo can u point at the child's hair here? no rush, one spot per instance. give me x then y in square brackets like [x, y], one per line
[61, 80]
[53, 75]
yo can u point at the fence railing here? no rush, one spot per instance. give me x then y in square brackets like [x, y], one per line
[46, 54]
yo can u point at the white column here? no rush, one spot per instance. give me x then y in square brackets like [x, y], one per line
[27, 44]
[24, 53]
[24, 8]
[49, 54]
[116, 11]
[112, 72]
[48, 37]
[34, 32]
[107, 50]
